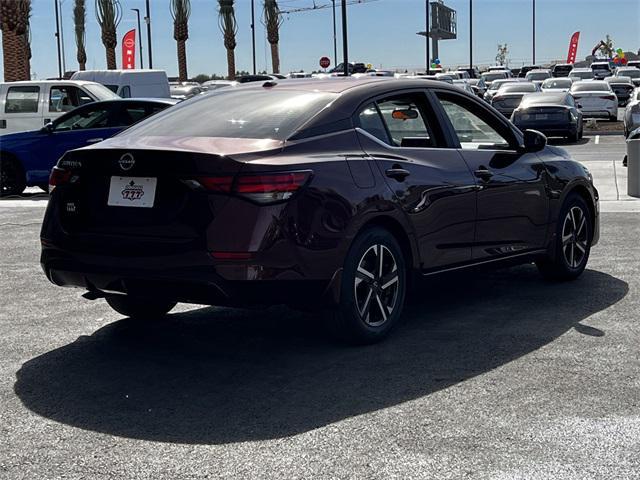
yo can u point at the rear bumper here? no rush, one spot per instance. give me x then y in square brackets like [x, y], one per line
[551, 129]
[600, 113]
[188, 278]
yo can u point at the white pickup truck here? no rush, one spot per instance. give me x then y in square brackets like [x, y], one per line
[30, 105]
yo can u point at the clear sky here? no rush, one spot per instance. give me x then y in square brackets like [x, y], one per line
[381, 32]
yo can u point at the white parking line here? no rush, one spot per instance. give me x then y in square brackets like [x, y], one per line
[597, 139]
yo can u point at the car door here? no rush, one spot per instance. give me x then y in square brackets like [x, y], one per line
[82, 127]
[431, 183]
[22, 108]
[513, 206]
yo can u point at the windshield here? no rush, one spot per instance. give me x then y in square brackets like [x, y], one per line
[101, 92]
[490, 77]
[591, 87]
[538, 75]
[557, 83]
[261, 114]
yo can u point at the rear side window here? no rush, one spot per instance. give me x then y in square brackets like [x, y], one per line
[66, 98]
[371, 122]
[22, 99]
[256, 114]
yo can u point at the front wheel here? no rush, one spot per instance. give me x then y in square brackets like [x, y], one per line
[373, 289]
[12, 178]
[138, 307]
[572, 242]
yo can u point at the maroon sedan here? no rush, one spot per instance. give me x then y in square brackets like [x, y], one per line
[313, 193]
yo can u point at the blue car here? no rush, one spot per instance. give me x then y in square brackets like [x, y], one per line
[28, 157]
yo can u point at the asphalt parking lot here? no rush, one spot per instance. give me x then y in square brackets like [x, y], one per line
[492, 375]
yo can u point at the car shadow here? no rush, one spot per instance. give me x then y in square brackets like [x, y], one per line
[214, 375]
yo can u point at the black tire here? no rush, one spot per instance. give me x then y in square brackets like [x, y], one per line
[574, 137]
[613, 118]
[138, 307]
[572, 241]
[370, 303]
[12, 178]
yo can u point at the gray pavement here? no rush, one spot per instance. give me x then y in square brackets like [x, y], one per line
[492, 375]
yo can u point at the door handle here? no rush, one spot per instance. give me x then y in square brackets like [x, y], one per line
[398, 173]
[95, 140]
[483, 173]
[3, 123]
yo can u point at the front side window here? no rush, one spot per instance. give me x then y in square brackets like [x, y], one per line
[66, 98]
[22, 99]
[83, 119]
[474, 132]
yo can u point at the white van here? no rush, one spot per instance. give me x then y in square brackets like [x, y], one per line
[30, 105]
[130, 83]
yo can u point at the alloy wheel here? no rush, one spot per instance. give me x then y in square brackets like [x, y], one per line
[575, 237]
[376, 285]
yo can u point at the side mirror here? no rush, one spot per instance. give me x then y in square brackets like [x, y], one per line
[534, 141]
[48, 128]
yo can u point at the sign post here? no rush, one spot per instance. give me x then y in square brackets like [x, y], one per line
[129, 50]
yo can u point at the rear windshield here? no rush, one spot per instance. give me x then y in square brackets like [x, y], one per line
[557, 83]
[562, 68]
[601, 66]
[518, 87]
[537, 75]
[590, 87]
[635, 73]
[581, 75]
[490, 77]
[263, 114]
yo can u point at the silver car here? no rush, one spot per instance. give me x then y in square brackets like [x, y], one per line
[509, 96]
[464, 85]
[596, 99]
[496, 84]
[578, 74]
[538, 76]
[558, 85]
[632, 72]
[632, 113]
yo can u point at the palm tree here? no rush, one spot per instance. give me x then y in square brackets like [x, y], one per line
[272, 21]
[229, 27]
[14, 22]
[24, 10]
[180, 11]
[79, 17]
[108, 14]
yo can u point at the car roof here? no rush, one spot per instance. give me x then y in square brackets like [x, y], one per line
[46, 82]
[167, 101]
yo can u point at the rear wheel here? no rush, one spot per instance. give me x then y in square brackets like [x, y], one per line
[613, 118]
[573, 242]
[373, 288]
[574, 137]
[139, 307]
[12, 178]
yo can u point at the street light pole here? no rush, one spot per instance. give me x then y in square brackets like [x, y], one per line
[58, 39]
[470, 35]
[345, 47]
[426, 35]
[137, 10]
[64, 63]
[147, 19]
[335, 40]
[534, 32]
[253, 34]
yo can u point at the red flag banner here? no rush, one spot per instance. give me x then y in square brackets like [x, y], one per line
[573, 48]
[129, 50]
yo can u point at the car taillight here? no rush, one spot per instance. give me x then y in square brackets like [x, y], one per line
[608, 97]
[59, 176]
[261, 188]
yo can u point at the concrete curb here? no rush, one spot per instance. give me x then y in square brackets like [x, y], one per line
[607, 133]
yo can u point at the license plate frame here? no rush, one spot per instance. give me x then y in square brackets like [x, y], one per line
[137, 192]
